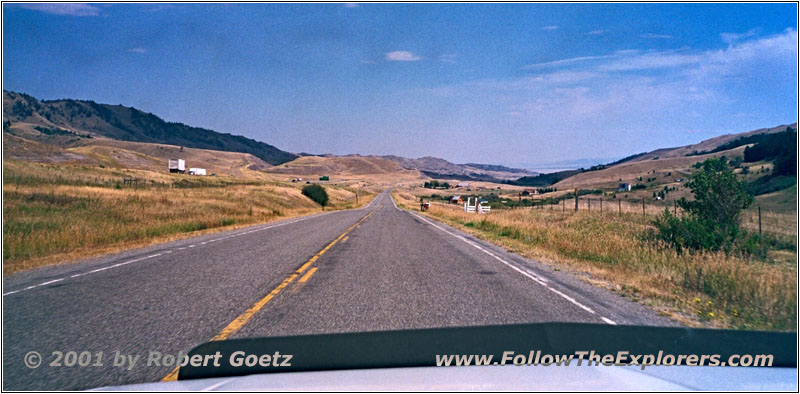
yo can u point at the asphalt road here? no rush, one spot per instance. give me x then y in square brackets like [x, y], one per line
[374, 268]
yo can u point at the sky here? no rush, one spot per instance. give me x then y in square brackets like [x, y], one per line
[515, 84]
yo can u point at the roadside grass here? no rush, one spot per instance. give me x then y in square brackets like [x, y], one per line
[54, 213]
[617, 252]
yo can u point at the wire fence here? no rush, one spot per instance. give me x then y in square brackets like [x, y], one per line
[754, 219]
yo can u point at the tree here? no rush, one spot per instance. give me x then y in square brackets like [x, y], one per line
[714, 214]
[719, 197]
[317, 194]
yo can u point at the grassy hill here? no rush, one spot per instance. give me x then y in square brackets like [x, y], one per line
[68, 120]
[710, 145]
[55, 213]
[347, 169]
[108, 153]
[440, 168]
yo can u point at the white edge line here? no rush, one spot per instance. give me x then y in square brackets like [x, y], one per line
[609, 321]
[541, 281]
[158, 254]
[214, 386]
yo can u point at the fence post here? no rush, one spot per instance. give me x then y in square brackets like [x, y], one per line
[576, 200]
[644, 214]
[619, 202]
[588, 205]
[759, 220]
[563, 206]
[601, 206]
[676, 208]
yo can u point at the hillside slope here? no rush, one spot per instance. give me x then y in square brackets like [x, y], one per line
[704, 146]
[19, 143]
[128, 124]
[342, 166]
[436, 167]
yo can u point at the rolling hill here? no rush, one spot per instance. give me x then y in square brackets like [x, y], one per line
[665, 160]
[88, 119]
[346, 165]
[440, 168]
[702, 147]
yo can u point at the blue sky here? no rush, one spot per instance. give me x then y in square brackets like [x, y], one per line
[492, 83]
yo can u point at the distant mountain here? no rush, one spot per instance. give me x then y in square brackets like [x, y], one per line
[90, 119]
[711, 145]
[498, 168]
[542, 180]
[439, 168]
[671, 163]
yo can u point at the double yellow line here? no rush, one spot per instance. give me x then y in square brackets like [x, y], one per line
[240, 321]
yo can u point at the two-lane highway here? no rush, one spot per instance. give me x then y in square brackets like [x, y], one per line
[368, 269]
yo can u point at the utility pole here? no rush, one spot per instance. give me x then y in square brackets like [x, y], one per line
[601, 206]
[644, 214]
[619, 202]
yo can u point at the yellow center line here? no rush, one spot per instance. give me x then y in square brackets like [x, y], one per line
[308, 275]
[240, 321]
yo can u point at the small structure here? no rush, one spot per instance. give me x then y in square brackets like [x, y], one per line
[456, 200]
[197, 171]
[476, 205]
[177, 165]
[624, 187]
[469, 206]
[462, 184]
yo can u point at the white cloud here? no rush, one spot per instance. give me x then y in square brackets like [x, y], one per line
[652, 60]
[653, 35]
[73, 9]
[448, 58]
[625, 90]
[553, 27]
[563, 62]
[159, 7]
[137, 50]
[597, 32]
[731, 38]
[402, 56]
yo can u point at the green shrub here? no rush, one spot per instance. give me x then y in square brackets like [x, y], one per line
[316, 193]
[713, 216]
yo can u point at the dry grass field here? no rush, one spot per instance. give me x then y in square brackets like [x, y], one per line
[615, 251]
[677, 167]
[111, 153]
[56, 213]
